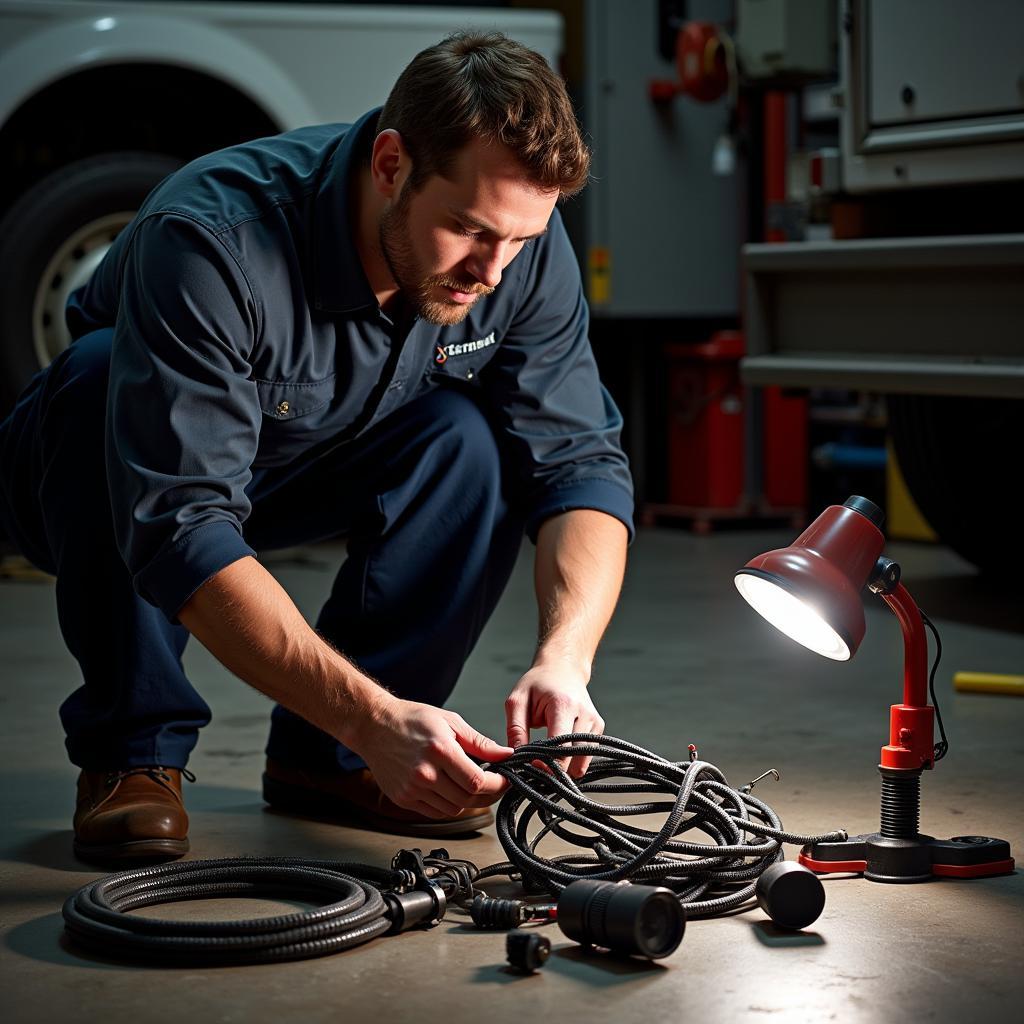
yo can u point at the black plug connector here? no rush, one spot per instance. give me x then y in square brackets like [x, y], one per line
[527, 951]
[497, 914]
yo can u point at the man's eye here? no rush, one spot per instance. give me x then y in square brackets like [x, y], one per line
[460, 230]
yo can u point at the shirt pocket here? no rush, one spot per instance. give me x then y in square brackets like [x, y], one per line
[462, 372]
[463, 364]
[283, 401]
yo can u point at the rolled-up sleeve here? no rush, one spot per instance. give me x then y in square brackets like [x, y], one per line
[561, 427]
[183, 415]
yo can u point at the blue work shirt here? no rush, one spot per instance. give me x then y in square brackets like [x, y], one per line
[247, 336]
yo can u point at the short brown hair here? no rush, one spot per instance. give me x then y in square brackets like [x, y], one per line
[487, 86]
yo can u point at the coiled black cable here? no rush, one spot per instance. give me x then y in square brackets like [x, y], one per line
[96, 915]
[708, 878]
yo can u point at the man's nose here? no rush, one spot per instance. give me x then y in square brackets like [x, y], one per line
[487, 263]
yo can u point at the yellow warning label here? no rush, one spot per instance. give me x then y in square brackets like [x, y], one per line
[600, 274]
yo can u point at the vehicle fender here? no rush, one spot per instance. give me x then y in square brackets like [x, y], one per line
[64, 48]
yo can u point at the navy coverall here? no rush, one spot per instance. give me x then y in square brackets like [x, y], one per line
[234, 386]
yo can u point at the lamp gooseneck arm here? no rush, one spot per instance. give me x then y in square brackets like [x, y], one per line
[912, 723]
[915, 646]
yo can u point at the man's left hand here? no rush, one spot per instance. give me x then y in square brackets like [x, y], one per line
[556, 699]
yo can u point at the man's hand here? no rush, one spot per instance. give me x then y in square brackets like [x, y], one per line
[554, 698]
[581, 556]
[418, 756]
[418, 753]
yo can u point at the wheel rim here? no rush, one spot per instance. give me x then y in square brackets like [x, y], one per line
[70, 267]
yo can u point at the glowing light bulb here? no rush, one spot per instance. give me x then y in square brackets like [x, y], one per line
[799, 620]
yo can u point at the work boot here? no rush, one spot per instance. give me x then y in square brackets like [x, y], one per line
[133, 814]
[354, 798]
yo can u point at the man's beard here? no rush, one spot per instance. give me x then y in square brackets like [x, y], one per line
[419, 290]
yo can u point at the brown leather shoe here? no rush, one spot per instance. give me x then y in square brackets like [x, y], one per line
[132, 814]
[354, 798]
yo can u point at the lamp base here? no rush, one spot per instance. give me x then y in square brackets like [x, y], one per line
[882, 859]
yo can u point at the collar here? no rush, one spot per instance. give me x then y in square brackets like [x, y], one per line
[341, 285]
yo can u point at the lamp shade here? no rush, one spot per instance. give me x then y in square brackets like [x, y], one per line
[811, 590]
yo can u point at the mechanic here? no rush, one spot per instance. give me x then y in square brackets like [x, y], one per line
[374, 330]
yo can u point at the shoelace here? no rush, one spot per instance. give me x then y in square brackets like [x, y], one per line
[157, 772]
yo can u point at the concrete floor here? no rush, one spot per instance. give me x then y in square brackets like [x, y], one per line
[685, 661]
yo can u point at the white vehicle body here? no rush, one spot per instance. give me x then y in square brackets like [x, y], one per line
[302, 63]
[100, 100]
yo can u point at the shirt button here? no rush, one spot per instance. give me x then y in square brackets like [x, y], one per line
[282, 409]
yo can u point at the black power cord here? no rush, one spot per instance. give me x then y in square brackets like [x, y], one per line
[708, 878]
[942, 747]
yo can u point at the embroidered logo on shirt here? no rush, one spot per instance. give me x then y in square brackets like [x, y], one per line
[463, 348]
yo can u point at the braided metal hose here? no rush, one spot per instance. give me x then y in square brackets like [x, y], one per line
[709, 878]
[96, 915]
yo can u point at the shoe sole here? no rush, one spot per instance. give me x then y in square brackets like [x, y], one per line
[283, 796]
[137, 851]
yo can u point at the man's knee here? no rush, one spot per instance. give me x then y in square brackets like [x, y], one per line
[76, 387]
[83, 368]
[72, 414]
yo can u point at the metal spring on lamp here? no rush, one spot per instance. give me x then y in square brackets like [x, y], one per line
[901, 805]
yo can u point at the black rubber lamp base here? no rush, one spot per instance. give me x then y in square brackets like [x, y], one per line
[918, 859]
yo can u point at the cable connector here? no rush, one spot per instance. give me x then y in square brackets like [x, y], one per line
[502, 915]
[424, 906]
[422, 900]
[527, 952]
[497, 914]
[410, 863]
[455, 875]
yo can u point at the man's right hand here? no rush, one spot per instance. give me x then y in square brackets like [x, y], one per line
[419, 756]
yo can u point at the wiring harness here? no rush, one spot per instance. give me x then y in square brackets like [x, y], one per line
[708, 878]
[358, 902]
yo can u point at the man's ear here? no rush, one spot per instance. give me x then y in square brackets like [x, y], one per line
[389, 163]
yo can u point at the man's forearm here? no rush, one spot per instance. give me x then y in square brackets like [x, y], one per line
[248, 622]
[580, 563]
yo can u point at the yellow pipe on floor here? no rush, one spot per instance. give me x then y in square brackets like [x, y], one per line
[988, 682]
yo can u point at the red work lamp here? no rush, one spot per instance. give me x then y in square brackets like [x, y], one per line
[811, 591]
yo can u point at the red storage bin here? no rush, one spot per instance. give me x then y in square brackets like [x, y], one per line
[783, 450]
[708, 413]
[706, 416]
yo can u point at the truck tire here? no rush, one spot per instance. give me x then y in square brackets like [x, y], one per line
[962, 459]
[53, 237]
